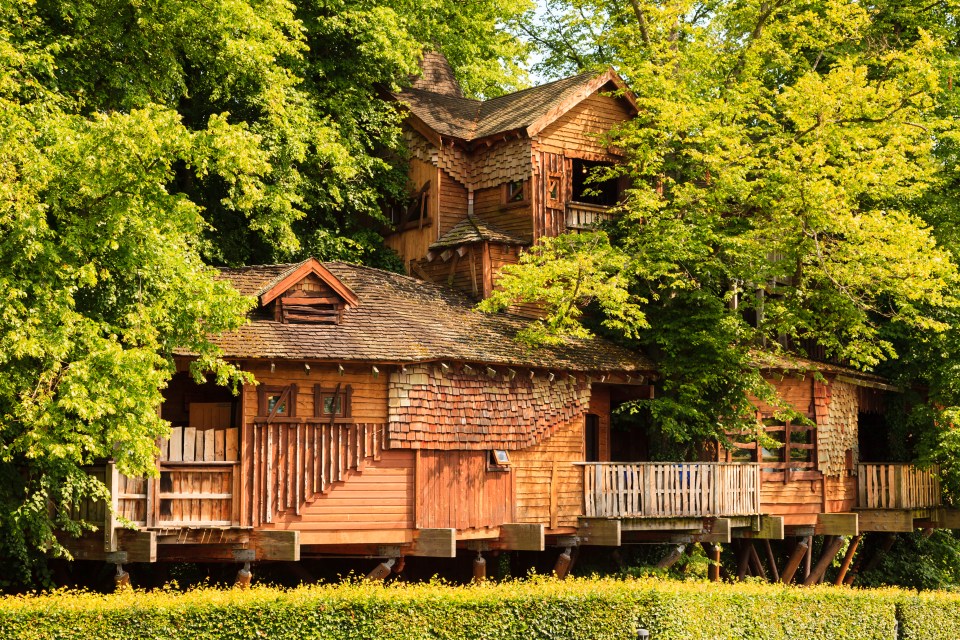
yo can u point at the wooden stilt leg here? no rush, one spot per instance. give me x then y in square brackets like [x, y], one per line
[793, 562]
[774, 574]
[755, 561]
[671, 558]
[713, 552]
[874, 560]
[831, 548]
[847, 559]
[808, 559]
[563, 564]
[743, 560]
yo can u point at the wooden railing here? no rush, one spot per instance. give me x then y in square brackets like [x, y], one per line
[897, 486]
[586, 216]
[293, 463]
[670, 490]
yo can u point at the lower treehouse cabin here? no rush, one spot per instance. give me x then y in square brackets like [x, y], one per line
[391, 419]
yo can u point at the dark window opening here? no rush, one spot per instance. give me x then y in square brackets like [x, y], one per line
[414, 214]
[592, 438]
[514, 192]
[587, 190]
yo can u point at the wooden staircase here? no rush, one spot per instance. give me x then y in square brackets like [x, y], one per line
[294, 464]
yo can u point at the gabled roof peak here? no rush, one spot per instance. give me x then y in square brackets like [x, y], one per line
[436, 76]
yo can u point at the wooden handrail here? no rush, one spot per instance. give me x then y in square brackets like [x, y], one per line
[670, 489]
[586, 216]
[897, 486]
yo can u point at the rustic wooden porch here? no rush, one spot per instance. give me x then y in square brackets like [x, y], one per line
[897, 486]
[670, 489]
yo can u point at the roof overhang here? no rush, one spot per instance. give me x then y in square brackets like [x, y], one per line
[608, 76]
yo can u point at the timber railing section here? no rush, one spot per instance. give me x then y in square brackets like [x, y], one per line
[897, 486]
[586, 216]
[670, 489]
[293, 464]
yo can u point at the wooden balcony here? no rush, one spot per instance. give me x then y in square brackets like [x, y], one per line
[897, 486]
[582, 216]
[670, 489]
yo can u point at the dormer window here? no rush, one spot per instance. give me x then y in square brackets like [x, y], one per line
[308, 294]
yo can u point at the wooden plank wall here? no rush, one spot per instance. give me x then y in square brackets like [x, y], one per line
[456, 489]
[515, 219]
[378, 498]
[549, 486]
[414, 243]
[576, 132]
[463, 273]
[453, 203]
[549, 216]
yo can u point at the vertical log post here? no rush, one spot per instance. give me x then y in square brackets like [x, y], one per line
[713, 552]
[743, 560]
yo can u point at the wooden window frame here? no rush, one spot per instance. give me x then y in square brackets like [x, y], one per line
[264, 393]
[495, 463]
[417, 214]
[321, 394]
[506, 194]
[555, 202]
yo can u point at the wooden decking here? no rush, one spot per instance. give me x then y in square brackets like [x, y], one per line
[670, 490]
[897, 486]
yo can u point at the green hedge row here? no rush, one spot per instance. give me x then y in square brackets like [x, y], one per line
[596, 609]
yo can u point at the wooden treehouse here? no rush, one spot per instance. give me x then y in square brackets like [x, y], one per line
[391, 419]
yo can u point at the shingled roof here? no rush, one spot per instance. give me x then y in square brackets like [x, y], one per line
[475, 229]
[457, 117]
[436, 76]
[404, 320]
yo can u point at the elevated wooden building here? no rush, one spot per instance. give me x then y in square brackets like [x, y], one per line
[391, 419]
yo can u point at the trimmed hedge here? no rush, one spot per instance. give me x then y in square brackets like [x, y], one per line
[541, 608]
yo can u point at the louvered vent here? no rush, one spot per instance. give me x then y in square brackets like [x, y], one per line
[308, 307]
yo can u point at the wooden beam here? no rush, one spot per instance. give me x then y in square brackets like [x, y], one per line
[273, 544]
[522, 537]
[837, 524]
[847, 559]
[721, 530]
[210, 535]
[948, 518]
[755, 563]
[435, 543]
[599, 532]
[141, 546]
[767, 527]
[890, 520]
[793, 562]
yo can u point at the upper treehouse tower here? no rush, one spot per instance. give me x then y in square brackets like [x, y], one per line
[491, 177]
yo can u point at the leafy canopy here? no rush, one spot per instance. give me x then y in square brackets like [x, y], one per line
[790, 187]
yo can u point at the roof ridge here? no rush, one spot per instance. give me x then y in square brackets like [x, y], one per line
[591, 74]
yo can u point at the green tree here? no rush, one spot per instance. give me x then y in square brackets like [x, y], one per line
[790, 165]
[141, 142]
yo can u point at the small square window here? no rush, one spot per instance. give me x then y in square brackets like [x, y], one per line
[499, 458]
[332, 402]
[515, 192]
[553, 188]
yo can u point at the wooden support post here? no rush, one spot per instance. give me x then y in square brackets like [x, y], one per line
[564, 561]
[244, 576]
[521, 537]
[479, 569]
[808, 559]
[885, 545]
[713, 552]
[831, 548]
[671, 558]
[758, 569]
[774, 574]
[743, 559]
[381, 571]
[847, 559]
[793, 562]
[111, 478]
